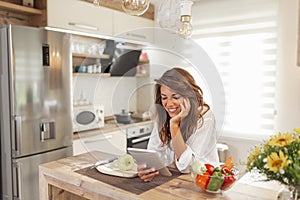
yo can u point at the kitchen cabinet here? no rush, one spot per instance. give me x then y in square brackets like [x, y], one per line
[116, 5]
[85, 17]
[132, 27]
[78, 147]
[112, 142]
[105, 21]
[84, 55]
[19, 8]
[12, 13]
[88, 52]
[80, 16]
[82, 59]
[92, 74]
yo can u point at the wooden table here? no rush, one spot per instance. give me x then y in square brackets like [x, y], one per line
[58, 180]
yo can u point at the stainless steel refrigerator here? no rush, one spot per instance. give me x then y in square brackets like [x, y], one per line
[35, 95]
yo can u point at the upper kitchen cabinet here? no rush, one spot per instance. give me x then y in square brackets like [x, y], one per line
[132, 27]
[105, 21]
[80, 16]
[84, 16]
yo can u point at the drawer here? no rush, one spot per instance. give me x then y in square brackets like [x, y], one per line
[112, 143]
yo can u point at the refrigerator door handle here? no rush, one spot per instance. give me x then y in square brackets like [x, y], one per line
[17, 176]
[17, 139]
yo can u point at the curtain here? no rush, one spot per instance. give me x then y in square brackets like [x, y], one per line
[240, 36]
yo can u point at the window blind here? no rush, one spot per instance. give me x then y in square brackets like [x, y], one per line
[243, 46]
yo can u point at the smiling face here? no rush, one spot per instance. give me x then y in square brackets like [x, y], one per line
[170, 100]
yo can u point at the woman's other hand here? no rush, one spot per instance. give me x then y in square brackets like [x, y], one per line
[146, 174]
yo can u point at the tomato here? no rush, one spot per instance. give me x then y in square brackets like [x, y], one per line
[225, 170]
[202, 180]
[209, 168]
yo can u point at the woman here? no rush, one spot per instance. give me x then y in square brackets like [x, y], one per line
[184, 130]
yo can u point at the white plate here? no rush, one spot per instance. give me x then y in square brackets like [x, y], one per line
[110, 169]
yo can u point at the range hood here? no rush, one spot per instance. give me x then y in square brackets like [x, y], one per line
[125, 64]
[125, 60]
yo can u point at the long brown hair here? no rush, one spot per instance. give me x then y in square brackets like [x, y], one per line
[182, 83]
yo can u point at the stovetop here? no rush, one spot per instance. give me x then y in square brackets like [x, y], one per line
[133, 120]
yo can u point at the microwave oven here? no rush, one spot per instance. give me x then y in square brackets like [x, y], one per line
[88, 117]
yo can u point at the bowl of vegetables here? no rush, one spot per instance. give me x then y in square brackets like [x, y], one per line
[214, 179]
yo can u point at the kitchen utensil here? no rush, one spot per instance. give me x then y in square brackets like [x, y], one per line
[103, 162]
[123, 117]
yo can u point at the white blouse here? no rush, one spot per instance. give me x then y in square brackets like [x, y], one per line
[201, 145]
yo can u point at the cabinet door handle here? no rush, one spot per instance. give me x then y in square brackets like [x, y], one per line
[134, 141]
[99, 139]
[136, 35]
[84, 26]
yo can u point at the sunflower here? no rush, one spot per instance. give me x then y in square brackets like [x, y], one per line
[277, 162]
[279, 158]
[297, 130]
[254, 154]
[281, 140]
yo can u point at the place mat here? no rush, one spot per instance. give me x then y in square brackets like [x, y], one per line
[134, 185]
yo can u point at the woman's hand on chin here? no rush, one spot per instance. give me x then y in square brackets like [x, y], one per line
[185, 109]
[147, 174]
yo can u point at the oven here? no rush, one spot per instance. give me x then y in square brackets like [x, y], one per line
[138, 136]
[87, 117]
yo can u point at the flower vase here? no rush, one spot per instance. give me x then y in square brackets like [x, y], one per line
[289, 193]
[294, 193]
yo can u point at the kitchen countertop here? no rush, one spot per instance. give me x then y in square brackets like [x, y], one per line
[59, 180]
[109, 126]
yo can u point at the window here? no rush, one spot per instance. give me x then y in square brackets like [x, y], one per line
[243, 47]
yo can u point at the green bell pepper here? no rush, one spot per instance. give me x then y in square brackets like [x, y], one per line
[216, 181]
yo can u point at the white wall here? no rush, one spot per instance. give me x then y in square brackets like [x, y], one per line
[114, 93]
[288, 98]
[145, 97]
